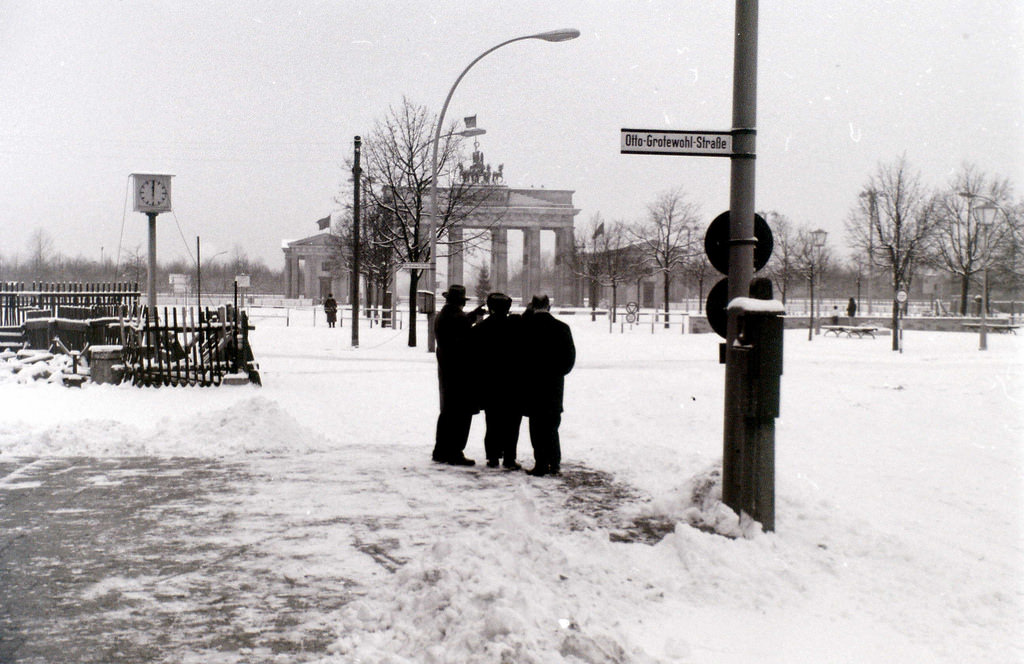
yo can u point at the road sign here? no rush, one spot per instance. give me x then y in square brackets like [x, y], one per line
[667, 141]
[715, 307]
[716, 242]
[901, 297]
[416, 266]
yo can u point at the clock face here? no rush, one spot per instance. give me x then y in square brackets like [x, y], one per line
[153, 192]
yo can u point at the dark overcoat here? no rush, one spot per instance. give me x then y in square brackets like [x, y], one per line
[456, 359]
[331, 309]
[549, 356]
[499, 341]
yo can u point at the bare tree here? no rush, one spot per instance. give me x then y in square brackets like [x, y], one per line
[782, 266]
[895, 224]
[40, 252]
[666, 236]
[962, 244]
[397, 157]
[811, 261]
[1008, 267]
[617, 261]
[581, 258]
[698, 269]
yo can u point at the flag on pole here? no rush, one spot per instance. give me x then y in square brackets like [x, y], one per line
[599, 230]
[324, 223]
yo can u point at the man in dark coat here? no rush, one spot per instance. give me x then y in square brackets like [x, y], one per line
[456, 361]
[550, 355]
[331, 309]
[498, 340]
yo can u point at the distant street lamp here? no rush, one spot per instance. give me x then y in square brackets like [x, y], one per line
[817, 243]
[986, 216]
[552, 36]
[872, 196]
[986, 219]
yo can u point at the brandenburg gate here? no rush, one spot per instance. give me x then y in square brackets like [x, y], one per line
[529, 210]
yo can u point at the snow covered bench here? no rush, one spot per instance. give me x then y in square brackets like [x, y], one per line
[850, 330]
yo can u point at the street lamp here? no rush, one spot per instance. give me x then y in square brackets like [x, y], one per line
[817, 243]
[552, 36]
[872, 197]
[986, 218]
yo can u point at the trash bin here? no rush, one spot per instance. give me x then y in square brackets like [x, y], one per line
[105, 364]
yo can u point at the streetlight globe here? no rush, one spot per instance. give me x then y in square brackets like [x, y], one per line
[986, 214]
[558, 35]
[818, 237]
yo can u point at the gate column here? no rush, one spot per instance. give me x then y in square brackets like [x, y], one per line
[531, 263]
[499, 259]
[455, 257]
[563, 274]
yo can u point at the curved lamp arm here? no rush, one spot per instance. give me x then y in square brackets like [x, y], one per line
[552, 36]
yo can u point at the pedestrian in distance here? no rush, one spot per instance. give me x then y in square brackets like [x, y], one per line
[549, 355]
[851, 310]
[456, 365]
[498, 340]
[331, 310]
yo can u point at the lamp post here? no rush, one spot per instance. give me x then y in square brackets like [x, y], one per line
[985, 215]
[872, 196]
[552, 36]
[817, 243]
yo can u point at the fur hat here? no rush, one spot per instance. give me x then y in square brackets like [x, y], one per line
[455, 292]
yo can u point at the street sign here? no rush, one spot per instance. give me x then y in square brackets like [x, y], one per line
[667, 141]
[901, 297]
[715, 307]
[716, 242]
[416, 266]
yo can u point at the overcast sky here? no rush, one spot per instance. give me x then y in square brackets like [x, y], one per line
[253, 106]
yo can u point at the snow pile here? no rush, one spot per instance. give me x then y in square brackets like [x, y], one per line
[699, 504]
[513, 593]
[253, 425]
[27, 366]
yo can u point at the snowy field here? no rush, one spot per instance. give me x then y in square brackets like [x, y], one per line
[899, 498]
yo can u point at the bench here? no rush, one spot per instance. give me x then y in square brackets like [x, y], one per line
[850, 330]
[1001, 328]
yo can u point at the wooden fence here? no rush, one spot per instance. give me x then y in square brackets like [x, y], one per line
[77, 301]
[186, 347]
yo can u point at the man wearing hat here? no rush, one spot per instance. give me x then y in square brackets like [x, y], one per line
[455, 364]
[498, 341]
[551, 354]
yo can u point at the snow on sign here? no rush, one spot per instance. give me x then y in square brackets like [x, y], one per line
[658, 141]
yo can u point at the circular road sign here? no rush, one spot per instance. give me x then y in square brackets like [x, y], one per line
[901, 296]
[714, 307]
[716, 242]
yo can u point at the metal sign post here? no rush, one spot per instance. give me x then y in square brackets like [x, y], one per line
[748, 447]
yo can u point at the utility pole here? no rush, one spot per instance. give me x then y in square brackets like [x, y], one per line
[748, 463]
[356, 172]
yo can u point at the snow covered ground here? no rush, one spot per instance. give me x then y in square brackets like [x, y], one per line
[899, 498]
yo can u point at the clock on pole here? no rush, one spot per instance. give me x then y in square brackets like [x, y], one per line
[152, 192]
[152, 196]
